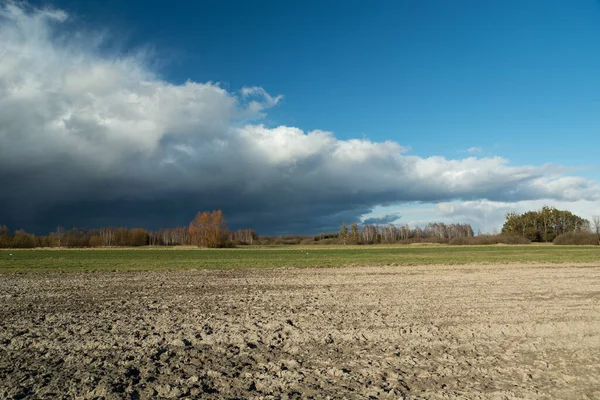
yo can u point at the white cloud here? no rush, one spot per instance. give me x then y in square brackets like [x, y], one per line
[473, 150]
[265, 100]
[490, 215]
[76, 124]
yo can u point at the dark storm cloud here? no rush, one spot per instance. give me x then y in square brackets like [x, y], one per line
[92, 140]
[383, 220]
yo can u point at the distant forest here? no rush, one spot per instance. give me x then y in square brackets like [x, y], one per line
[209, 229]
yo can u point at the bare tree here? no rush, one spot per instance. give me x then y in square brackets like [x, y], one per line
[596, 226]
[344, 232]
[107, 235]
[354, 231]
[59, 234]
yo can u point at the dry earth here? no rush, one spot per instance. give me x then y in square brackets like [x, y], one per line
[478, 331]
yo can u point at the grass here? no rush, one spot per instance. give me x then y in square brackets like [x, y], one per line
[146, 259]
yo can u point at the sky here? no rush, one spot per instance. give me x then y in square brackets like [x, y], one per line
[296, 116]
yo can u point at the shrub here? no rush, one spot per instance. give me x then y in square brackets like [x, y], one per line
[434, 239]
[328, 241]
[580, 238]
[489, 239]
[461, 241]
[512, 239]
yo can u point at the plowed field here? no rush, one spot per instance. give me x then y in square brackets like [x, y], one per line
[438, 331]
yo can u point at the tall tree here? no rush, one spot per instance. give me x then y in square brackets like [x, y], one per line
[209, 230]
[354, 231]
[596, 224]
[243, 236]
[23, 240]
[344, 232]
[59, 235]
[5, 237]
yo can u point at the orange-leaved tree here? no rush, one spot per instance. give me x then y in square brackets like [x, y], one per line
[209, 230]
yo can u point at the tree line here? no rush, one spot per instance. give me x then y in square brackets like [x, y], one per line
[547, 224]
[209, 229]
[390, 234]
[206, 230]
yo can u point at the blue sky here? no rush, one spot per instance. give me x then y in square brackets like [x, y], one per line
[511, 79]
[515, 78]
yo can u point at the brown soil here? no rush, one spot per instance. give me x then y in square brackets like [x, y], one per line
[493, 331]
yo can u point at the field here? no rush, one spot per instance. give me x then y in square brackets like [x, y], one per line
[384, 322]
[148, 259]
